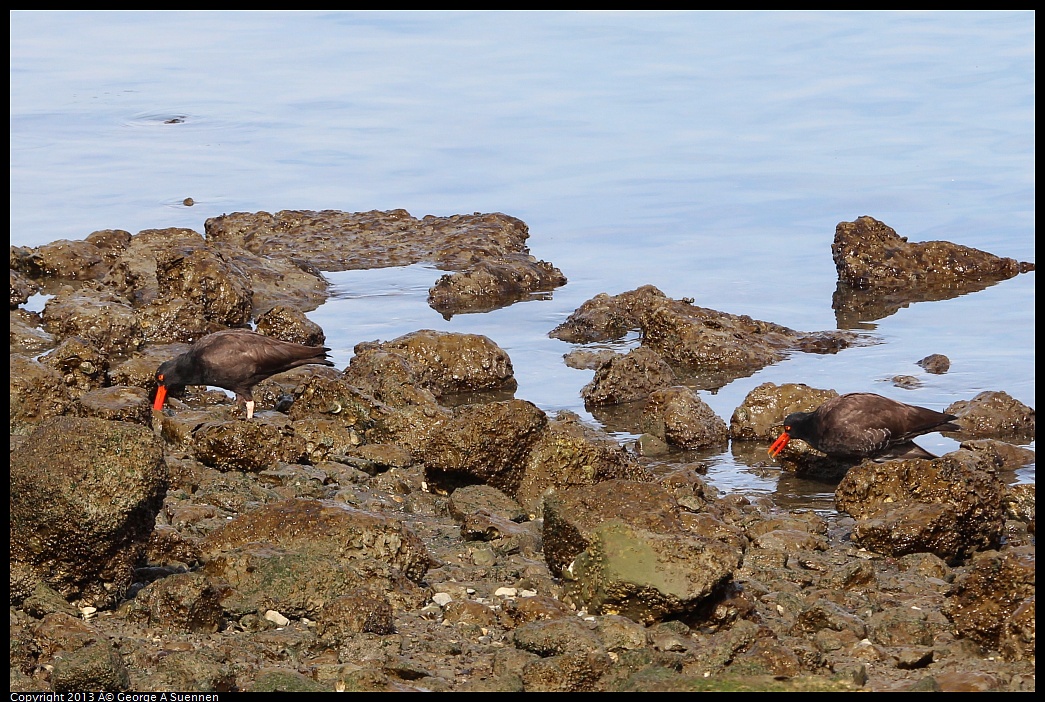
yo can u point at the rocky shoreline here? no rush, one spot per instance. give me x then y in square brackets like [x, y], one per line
[406, 523]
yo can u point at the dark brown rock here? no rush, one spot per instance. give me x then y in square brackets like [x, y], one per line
[208, 282]
[339, 241]
[994, 415]
[94, 488]
[567, 454]
[935, 363]
[184, 601]
[119, 403]
[950, 506]
[879, 271]
[628, 377]
[680, 417]
[993, 603]
[37, 392]
[493, 283]
[82, 366]
[248, 445]
[484, 444]
[290, 324]
[606, 317]
[448, 363]
[99, 318]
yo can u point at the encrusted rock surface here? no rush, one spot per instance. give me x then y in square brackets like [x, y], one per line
[408, 524]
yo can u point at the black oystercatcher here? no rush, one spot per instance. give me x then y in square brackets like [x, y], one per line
[863, 425]
[234, 359]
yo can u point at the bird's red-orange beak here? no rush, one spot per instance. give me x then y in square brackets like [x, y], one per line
[779, 444]
[161, 395]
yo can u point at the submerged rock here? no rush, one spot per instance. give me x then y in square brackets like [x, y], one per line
[493, 283]
[712, 348]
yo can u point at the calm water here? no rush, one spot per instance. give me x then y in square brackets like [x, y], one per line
[709, 154]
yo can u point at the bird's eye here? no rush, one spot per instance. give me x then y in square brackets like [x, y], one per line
[159, 376]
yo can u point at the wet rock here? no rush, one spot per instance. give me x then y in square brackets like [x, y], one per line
[118, 403]
[27, 334]
[252, 445]
[522, 610]
[96, 666]
[282, 390]
[37, 392]
[60, 260]
[606, 317]
[879, 271]
[82, 365]
[714, 347]
[45, 600]
[759, 416]
[680, 417]
[583, 359]
[493, 283]
[557, 636]
[1019, 501]
[473, 498]
[22, 288]
[328, 439]
[950, 506]
[621, 548]
[326, 395]
[185, 601]
[197, 670]
[906, 382]
[276, 281]
[376, 459]
[94, 488]
[568, 672]
[167, 547]
[110, 242]
[993, 603]
[218, 497]
[567, 454]
[571, 514]
[994, 415]
[483, 444]
[326, 528]
[174, 319]
[935, 363]
[387, 376]
[628, 378]
[358, 612]
[448, 363]
[98, 317]
[338, 241]
[705, 340]
[290, 324]
[647, 576]
[133, 271]
[208, 282]
[1001, 455]
[903, 627]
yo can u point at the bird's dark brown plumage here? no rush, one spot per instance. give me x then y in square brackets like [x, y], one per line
[236, 360]
[863, 425]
